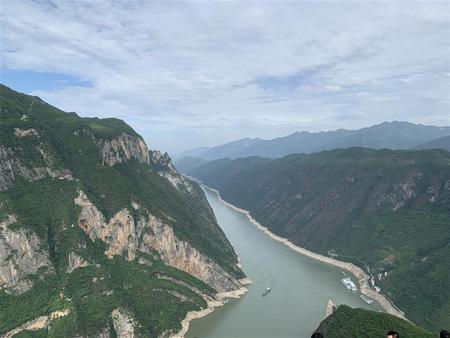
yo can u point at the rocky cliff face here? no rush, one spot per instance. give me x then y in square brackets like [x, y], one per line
[40, 323]
[126, 147]
[11, 168]
[122, 234]
[161, 161]
[74, 261]
[21, 256]
[93, 221]
[123, 324]
[119, 233]
[122, 148]
[183, 256]
[163, 165]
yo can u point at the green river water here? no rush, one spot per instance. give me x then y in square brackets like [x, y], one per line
[301, 286]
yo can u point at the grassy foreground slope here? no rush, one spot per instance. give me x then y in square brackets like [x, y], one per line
[386, 211]
[47, 157]
[360, 323]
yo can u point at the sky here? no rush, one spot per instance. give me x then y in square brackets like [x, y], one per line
[201, 73]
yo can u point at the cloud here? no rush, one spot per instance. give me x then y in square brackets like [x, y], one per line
[200, 73]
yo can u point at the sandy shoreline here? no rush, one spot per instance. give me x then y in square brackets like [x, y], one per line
[360, 275]
[211, 305]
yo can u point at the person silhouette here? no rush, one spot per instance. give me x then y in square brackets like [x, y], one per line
[444, 334]
[317, 335]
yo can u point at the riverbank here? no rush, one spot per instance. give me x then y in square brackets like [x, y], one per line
[211, 305]
[360, 275]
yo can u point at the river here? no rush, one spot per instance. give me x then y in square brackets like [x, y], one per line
[301, 286]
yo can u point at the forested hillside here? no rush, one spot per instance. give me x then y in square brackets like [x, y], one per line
[386, 211]
[99, 236]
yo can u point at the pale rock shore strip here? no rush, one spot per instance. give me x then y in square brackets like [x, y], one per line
[37, 323]
[362, 277]
[211, 305]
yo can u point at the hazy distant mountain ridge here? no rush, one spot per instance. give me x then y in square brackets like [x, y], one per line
[391, 135]
[235, 147]
[191, 152]
[439, 143]
[187, 163]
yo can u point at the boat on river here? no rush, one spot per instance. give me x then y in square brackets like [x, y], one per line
[266, 292]
[366, 299]
[348, 283]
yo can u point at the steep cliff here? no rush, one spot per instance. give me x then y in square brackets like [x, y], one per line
[20, 256]
[98, 227]
[123, 148]
[385, 211]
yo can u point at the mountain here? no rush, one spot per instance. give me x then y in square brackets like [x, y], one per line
[187, 163]
[355, 323]
[99, 236]
[191, 153]
[222, 151]
[439, 143]
[384, 210]
[391, 135]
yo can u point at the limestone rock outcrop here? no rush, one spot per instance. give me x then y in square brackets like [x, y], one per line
[75, 261]
[25, 132]
[122, 234]
[21, 255]
[123, 148]
[162, 164]
[119, 233]
[123, 323]
[183, 256]
[38, 323]
[80, 201]
[11, 168]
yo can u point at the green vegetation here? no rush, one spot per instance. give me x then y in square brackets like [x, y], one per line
[71, 143]
[32, 334]
[360, 323]
[45, 206]
[386, 211]
[92, 292]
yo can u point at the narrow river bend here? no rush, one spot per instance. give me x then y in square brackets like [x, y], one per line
[301, 286]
